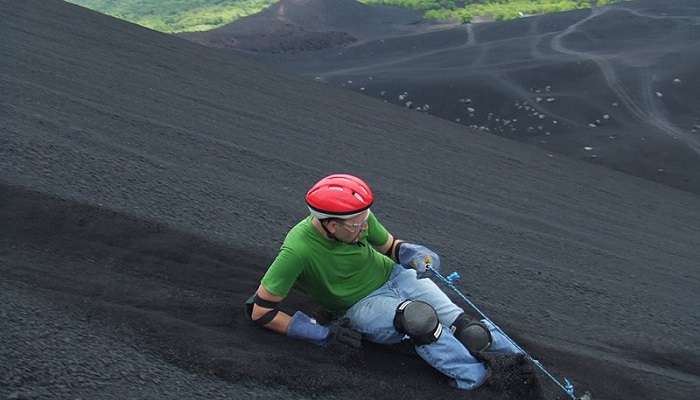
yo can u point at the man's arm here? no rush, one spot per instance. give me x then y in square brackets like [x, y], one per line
[389, 247]
[301, 326]
[280, 323]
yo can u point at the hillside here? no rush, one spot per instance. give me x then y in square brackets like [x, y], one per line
[614, 86]
[146, 182]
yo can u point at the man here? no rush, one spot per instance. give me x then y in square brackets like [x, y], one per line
[347, 262]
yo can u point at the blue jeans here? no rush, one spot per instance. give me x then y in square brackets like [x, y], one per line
[373, 316]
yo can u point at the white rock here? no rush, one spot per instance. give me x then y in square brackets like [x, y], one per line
[677, 81]
[606, 116]
[362, 89]
[659, 94]
[554, 122]
[588, 148]
[471, 110]
[551, 99]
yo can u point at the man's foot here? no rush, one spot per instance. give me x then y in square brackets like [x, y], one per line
[512, 375]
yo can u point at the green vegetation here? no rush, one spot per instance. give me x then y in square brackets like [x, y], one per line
[201, 15]
[177, 15]
[466, 10]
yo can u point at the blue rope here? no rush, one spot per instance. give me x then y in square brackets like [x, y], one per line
[567, 387]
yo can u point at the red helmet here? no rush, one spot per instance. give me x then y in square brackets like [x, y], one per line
[339, 196]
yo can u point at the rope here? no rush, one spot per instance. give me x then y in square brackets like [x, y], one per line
[567, 387]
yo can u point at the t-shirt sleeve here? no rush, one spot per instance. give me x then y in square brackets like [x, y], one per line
[283, 272]
[377, 234]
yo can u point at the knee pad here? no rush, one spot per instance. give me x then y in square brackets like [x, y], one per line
[419, 321]
[473, 334]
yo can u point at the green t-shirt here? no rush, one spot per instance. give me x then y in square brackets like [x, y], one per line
[334, 274]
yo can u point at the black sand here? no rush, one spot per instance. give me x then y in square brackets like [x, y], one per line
[616, 86]
[146, 183]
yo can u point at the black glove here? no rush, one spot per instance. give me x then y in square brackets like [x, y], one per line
[342, 335]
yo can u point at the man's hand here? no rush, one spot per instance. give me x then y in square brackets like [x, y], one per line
[342, 334]
[418, 257]
[338, 333]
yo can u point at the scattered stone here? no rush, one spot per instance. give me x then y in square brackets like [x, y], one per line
[677, 81]
[318, 78]
[362, 89]
[540, 127]
[548, 88]
[538, 99]
[382, 93]
[371, 78]
[426, 107]
[597, 122]
[530, 129]
[606, 116]
[349, 82]
[458, 119]
[548, 133]
[554, 122]
[402, 96]
[659, 94]
[588, 148]
[660, 170]
[612, 137]
[470, 109]
[615, 104]
[592, 125]
[465, 100]
[542, 116]
[551, 99]
[408, 104]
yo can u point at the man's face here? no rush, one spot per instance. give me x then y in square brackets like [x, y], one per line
[350, 230]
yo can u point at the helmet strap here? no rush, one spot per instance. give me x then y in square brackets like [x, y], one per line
[328, 233]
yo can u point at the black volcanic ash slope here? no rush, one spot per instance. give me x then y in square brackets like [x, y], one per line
[291, 26]
[146, 182]
[615, 86]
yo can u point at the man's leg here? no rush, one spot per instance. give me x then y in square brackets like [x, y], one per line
[426, 290]
[373, 316]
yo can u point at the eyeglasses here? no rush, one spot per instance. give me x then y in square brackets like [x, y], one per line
[354, 227]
